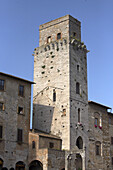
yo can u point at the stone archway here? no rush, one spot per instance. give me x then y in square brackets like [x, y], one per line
[20, 165]
[1, 163]
[36, 165]
[78, 162]
[79, 142]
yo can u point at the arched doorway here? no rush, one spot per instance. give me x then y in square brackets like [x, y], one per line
[11, 169]
[79, 142]
[4, 168]
[36, 165]
[78, 162]
[20, 165]
[1, 163]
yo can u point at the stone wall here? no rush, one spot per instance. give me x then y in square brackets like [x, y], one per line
[10, 150]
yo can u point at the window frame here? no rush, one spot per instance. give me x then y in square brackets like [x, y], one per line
[77, 88]
[111, 140]
[51, 145]
[21, 94]
[20, 111]
[1, 131]
[48, 39]
[58, 35]
[33, 144]
[19, 137]
[2, 108]
[98, 148]
[54, 95]
[3, 85]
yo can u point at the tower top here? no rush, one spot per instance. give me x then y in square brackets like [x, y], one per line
[59, 20]
[63, 27]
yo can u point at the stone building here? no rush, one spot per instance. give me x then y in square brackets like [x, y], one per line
[61, 106]
[15, 101]
[69, 132]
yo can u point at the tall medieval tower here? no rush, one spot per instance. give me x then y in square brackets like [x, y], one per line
[60, 74]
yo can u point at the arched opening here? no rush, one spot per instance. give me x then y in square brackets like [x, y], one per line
[20, 165]
[11, 169]
[79, 142]
[36, 165]
[1, 163]
[4, 168]
[78, 162]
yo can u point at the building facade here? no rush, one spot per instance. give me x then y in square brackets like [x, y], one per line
[69, 132]
[15, 101]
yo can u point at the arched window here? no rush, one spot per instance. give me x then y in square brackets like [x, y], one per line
[20, 165]
[79, 162]
[79, 142]
[58, 36]
[77, 88]
[33, 144]
[54, 95]
[79, 115]
[98, 148]
[49, 39]
[97, 120]
[36, 165]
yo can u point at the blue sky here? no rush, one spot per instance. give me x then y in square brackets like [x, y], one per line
[19, 22]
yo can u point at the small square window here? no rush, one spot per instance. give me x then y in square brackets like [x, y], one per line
[51, 145]
[1, 106]
[58, 36]
[2, 85]
[21, 90]
[20, 110]
[1, 131]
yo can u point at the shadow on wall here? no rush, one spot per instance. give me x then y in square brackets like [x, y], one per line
[42, 117]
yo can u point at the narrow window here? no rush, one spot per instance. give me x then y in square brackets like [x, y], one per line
[19, 135]
[112, 160]
[1, 130]
[54, 95]
[79, 115]
[111, 140]
[20, 110]
[77, 88]
[1, 106]
[98, 148]
[58, 36]
[78, 68]
[49, 39]
[74, 34]
[64, 112]
[96, 122]
[2, 85]
[51, 145]
[21, 90]
[33, 144]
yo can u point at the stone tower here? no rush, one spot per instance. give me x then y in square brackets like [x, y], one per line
[60, 74]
